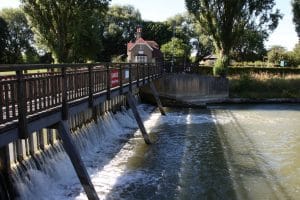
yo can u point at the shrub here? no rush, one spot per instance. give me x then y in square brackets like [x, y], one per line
[221, 66]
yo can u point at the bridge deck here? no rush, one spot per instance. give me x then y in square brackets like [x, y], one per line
[42, 98]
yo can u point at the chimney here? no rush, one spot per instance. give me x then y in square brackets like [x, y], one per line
[138, 33]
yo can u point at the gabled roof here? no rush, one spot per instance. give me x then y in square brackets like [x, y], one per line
[131, 45]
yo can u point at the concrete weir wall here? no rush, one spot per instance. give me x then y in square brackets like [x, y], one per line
[190, 88]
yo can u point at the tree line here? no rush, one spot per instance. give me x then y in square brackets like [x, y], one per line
[84, 31]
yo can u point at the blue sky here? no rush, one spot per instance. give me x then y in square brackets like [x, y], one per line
[160, 10]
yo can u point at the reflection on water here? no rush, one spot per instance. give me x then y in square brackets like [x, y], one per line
[262, 146]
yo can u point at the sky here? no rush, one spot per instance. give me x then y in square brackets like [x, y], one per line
[160, 10]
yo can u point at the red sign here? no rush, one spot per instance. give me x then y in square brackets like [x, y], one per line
[114, 78]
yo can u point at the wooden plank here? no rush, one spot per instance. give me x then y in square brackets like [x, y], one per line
[131, 102]
[1, 103]
[6, 91]
[13, 100]
[76, 160]
[156, 96]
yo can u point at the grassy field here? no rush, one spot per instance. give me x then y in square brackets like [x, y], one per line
[264, 85]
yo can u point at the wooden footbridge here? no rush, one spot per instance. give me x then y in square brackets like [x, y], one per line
[39, 109]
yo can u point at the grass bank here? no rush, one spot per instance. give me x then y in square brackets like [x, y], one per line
[264, 86]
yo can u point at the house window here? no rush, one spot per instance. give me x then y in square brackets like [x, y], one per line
[141, 59]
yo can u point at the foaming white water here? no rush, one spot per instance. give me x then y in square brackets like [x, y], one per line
[103, 146]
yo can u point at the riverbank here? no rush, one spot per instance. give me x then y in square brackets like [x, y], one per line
[264, 86]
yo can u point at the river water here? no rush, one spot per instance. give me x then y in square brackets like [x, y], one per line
[222, 152]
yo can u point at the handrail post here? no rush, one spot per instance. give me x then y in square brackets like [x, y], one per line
[65, 106]
[130, 78]
[137, 75]
[149, 74]
[144, 76]
[22, 105]
[108, 82]
[120, 80]
[91, 86]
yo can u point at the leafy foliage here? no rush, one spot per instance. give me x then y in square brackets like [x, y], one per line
[157, 31]
[175, 48]
[72, 30]
[120, 26]
[296, 11]
[4, 34]
[20, 37]
[276, 54]
[226, 20]
[250, 46]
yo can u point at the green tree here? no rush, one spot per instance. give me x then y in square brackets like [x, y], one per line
[183, 26]
[296, 54]
[296, 12]
[226, 20]
[69, 29]
[175, 48]
[20, 38]
[120, 26]
[4, 35]
[276, 54]
[157, 31]
[250, 46]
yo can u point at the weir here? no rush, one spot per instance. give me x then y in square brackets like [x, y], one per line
[38, 111]
[67, 109]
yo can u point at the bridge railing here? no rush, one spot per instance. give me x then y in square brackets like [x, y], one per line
[24, 94]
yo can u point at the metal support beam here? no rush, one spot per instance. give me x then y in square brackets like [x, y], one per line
[156, 96]
[131, 102]
[75, 158]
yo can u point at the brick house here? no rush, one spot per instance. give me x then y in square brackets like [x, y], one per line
[143, 51]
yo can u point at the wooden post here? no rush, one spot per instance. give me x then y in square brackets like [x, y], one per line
[91, 86]
[131, 102]
[91, 91]
[64, 95]
[120, 80]
[156, 96]
[108, 82]
[75, 158]
[130, 78]
[144, 74]
[137, 75]
[22, 106]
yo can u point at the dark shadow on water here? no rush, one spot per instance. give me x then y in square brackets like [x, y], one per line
[186, 162]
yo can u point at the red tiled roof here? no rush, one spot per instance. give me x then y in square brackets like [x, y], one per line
[155, 47]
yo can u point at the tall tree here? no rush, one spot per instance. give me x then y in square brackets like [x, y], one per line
[20, 39]
[66, 27]
[250, 46]
[226, 20]
[296, 12]
[120, 27]
[160, 32]
[4, 35]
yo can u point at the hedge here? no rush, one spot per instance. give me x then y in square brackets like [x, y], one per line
[207, 70]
